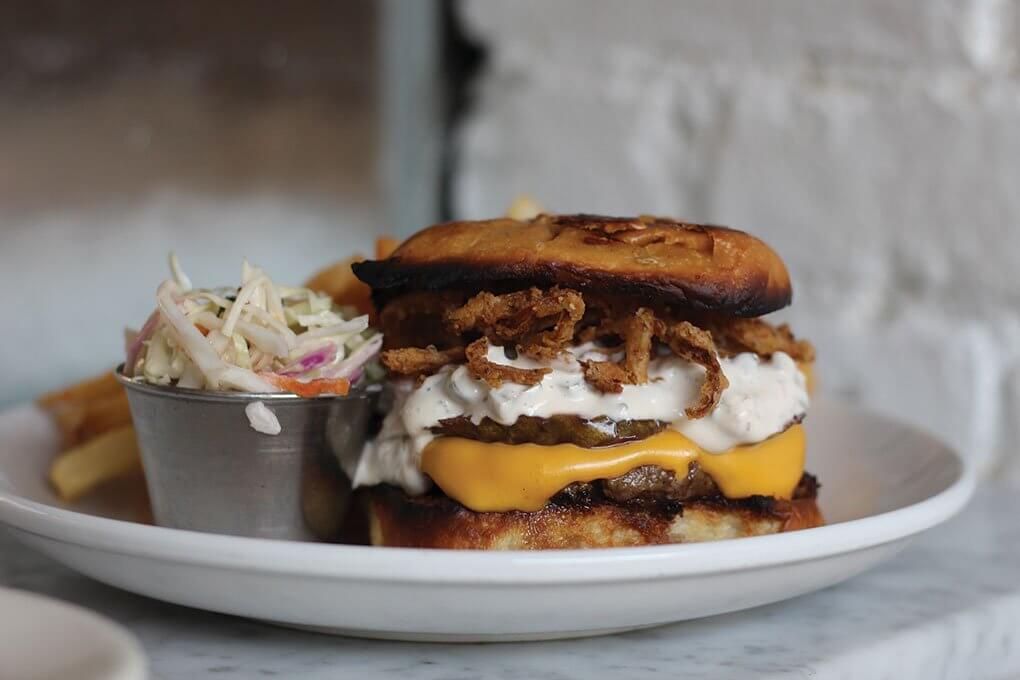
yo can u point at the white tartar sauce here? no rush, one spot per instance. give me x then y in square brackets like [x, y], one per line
[762, 399]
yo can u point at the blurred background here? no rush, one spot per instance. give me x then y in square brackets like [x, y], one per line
[875, 144]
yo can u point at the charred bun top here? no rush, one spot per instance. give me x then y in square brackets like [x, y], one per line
[655, 259]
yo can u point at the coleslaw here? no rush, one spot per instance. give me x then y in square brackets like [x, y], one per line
[259, 337]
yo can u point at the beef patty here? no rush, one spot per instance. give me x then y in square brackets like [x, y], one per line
[645, 485]
[559, 429]
[651, 485]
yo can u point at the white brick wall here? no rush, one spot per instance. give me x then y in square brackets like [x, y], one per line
[875, 144]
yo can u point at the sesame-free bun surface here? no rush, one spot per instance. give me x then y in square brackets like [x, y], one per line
[693, 266]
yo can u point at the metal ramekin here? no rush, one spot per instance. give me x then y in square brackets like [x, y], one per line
[208, 470]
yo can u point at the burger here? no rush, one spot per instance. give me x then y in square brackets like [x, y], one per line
[580, 381]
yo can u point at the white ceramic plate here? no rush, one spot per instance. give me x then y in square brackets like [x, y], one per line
[883, 483]
[46, 639]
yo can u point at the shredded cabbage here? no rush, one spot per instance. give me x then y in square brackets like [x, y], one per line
[262, 419]
[180, 278]
[242, 339]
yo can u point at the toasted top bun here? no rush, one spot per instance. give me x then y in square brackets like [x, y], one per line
[693, 266]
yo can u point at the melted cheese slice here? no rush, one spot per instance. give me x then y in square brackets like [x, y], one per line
[501, 477]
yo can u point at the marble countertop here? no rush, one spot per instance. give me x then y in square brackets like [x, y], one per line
[947, 607]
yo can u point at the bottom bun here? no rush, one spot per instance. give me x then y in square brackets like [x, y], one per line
[435, 521]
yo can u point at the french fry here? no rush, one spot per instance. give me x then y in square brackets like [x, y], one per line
[103, 415]
[87, 409]
[523, 208]
[69, 417]
[95, 388]
[340, 283]
[384, 246]
[83, 468]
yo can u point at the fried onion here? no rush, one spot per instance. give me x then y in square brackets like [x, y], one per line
[637, 333]
[637, 338]
[419, 361]
[762, 338]
[606, 376]
[542, 323]
[495, 374]
[695, 345]
[565, 308]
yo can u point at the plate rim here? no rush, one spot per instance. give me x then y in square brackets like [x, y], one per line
[462, 567]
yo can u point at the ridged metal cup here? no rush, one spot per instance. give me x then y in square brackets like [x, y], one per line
[208, 470]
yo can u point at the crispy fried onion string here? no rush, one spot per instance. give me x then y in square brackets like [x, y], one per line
[637, 333]
[695, 345]
[606, 376]
[419, 361]
[637, 339]
[494, 374]
[754, 335]
[685, 340]
[542, 323]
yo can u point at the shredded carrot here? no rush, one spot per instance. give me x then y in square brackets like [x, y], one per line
[312, 388]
